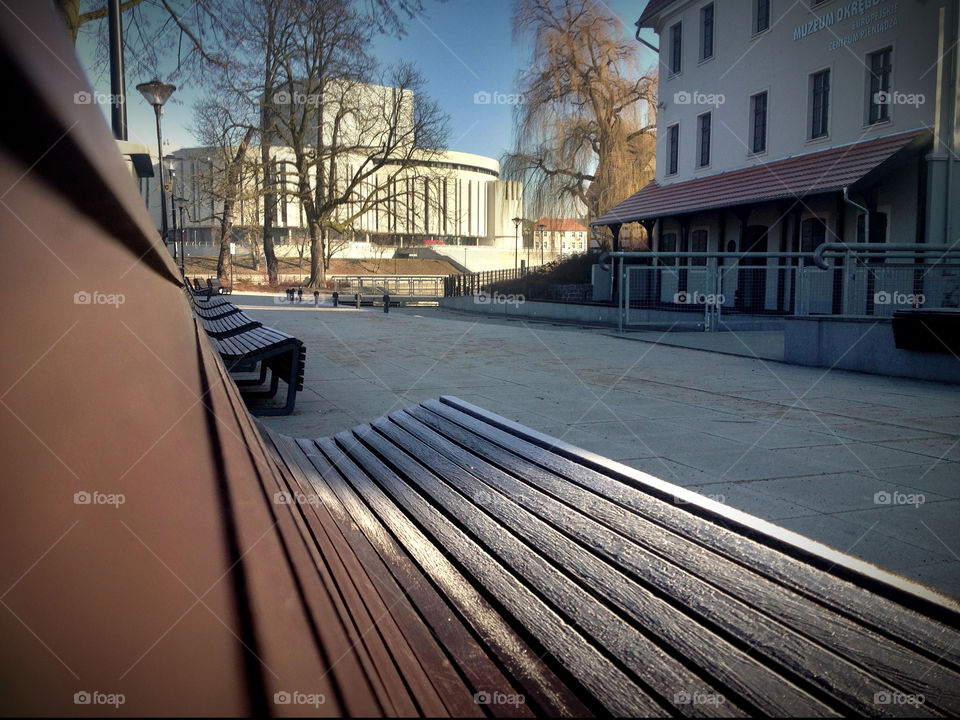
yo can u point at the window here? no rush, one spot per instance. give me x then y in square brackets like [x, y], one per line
[878, 227]
[703, 140]
[706, 32]
[820, 103]
[761, 16]
[879, 101]
[676, 47]
[758, 124]
[668, 244]
[698, 243]
[673, 149]
[813, 233]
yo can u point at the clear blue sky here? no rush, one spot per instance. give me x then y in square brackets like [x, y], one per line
[463, 47]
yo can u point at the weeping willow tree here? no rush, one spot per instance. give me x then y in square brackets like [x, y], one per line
[586, 130]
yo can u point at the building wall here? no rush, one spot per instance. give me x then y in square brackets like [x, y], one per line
[779, 61]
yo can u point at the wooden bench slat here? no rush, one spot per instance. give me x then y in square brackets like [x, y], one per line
[540, 685]
[882, 616]
[612, 687]
[683, 572]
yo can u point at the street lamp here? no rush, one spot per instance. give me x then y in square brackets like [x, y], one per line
[181, 202]
[169, 163]
[540, 227]
[516, 244]
[157, 93]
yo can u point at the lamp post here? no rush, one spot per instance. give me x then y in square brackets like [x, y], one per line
[516, 245]
[181, 203]
[540, 227]
[168, 163]
[157, 93]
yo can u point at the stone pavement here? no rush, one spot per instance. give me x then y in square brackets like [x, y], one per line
[866, 464]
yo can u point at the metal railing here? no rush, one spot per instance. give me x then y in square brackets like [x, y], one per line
[854, 280]
[431, 286]
[480, 282]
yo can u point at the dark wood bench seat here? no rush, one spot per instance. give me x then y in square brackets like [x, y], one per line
[283, 355]
[520, 565]
[229, 325]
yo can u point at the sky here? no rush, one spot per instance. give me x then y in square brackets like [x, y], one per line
[464, 48]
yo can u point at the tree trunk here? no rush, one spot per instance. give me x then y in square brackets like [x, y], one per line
[69, 11]
[318, 272]
[226, 233]
[269, 200]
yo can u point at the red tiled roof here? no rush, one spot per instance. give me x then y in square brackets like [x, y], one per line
[560, 225]
[653, 8]
[820, 172]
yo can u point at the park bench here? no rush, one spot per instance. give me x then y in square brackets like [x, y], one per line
[440, 561]
[283, 355]
[229, 325]
[530, 567]
[215, 287]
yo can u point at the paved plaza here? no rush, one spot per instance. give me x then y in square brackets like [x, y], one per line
[868, 465]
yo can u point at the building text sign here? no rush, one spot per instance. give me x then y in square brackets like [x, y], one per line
[869, 17]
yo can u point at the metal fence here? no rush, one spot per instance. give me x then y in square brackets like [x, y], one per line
[479, 283]
[701, 288]
[427, 286]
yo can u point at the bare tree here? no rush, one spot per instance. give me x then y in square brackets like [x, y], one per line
[585, 136]
[229, 138]
[352, 127]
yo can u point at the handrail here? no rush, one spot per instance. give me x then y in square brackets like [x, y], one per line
[835, 249]
[657, 254]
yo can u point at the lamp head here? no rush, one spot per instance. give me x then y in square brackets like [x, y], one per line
[155, 92]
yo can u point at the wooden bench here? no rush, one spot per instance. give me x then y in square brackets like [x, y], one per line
[522, 566]
[215, 287]
[284, 356]
[229, 325]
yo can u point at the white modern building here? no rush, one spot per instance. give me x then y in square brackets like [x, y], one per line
[784, 124]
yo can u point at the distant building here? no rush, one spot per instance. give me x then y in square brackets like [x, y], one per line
[561, 235]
